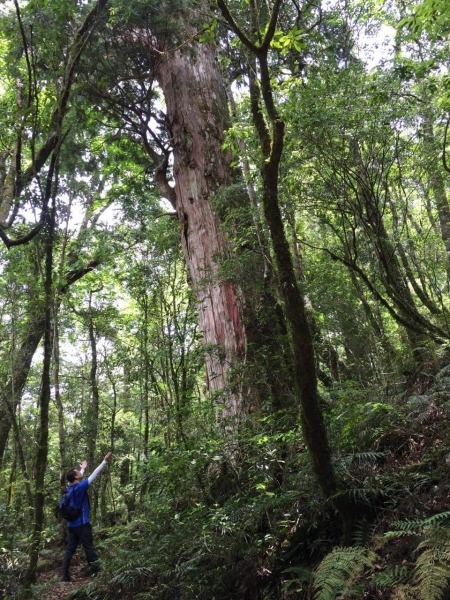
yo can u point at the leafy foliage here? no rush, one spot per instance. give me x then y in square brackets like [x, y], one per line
[197, 506]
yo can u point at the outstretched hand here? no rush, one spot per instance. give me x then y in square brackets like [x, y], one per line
[84, 464]
[108, 457]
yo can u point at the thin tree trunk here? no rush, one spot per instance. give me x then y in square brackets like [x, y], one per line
[437, 183]
[393, 279]
[44, 398]
[59, 406]
[95, 395]
[271, 143]
[11, 483]
[94, 406]
[22, 360]
[14, 387]
[21, 456]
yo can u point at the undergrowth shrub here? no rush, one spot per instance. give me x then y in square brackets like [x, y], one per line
[13, 559]
[354, 572]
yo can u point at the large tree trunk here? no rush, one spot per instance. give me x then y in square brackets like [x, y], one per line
[196, 105]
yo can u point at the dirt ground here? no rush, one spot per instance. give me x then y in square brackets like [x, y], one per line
[51, 586]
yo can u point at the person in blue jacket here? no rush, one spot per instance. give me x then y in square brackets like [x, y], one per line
[80, 530]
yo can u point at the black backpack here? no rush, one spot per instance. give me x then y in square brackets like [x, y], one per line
[66, 509]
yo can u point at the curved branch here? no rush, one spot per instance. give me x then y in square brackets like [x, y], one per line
[237, 30]
[437, 334]
[78, 43]
[9, 243]
[257, 113]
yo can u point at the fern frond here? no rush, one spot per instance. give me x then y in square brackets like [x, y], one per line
[303, 574]
[417, 525]
[431, 580]
[355, 495]
[442, 519]
[129, 576]
[396, 534]
[363, 533]
[370, 457]
[432, 569]
[391, 575]
[338, 571]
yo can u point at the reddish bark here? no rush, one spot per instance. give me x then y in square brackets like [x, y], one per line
[196, 105]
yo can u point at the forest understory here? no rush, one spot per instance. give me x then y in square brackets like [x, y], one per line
[239, 530]
[225, 259]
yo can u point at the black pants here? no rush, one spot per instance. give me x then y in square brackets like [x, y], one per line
[75, 536]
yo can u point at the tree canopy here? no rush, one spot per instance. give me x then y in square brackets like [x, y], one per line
[225, 258]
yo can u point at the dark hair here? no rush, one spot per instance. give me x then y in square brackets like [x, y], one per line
[71, 475]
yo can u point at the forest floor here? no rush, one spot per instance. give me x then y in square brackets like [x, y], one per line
[51, 586]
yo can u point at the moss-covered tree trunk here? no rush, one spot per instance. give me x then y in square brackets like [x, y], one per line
[40, 463]
[271, 140]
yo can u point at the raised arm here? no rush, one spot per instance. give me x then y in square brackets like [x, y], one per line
[100, 468]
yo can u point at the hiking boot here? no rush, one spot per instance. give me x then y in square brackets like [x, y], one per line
[66, 569]
[94, 568]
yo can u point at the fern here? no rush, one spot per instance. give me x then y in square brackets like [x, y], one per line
[128, 576]
[419, 525]
[431, 574]
[302, 577]
[391, 575]
[366, 457]
[83, 592]
[355, 495]
[303, 574]
[338, 571]
[363, 533]
[432, 570]
[441, 519]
